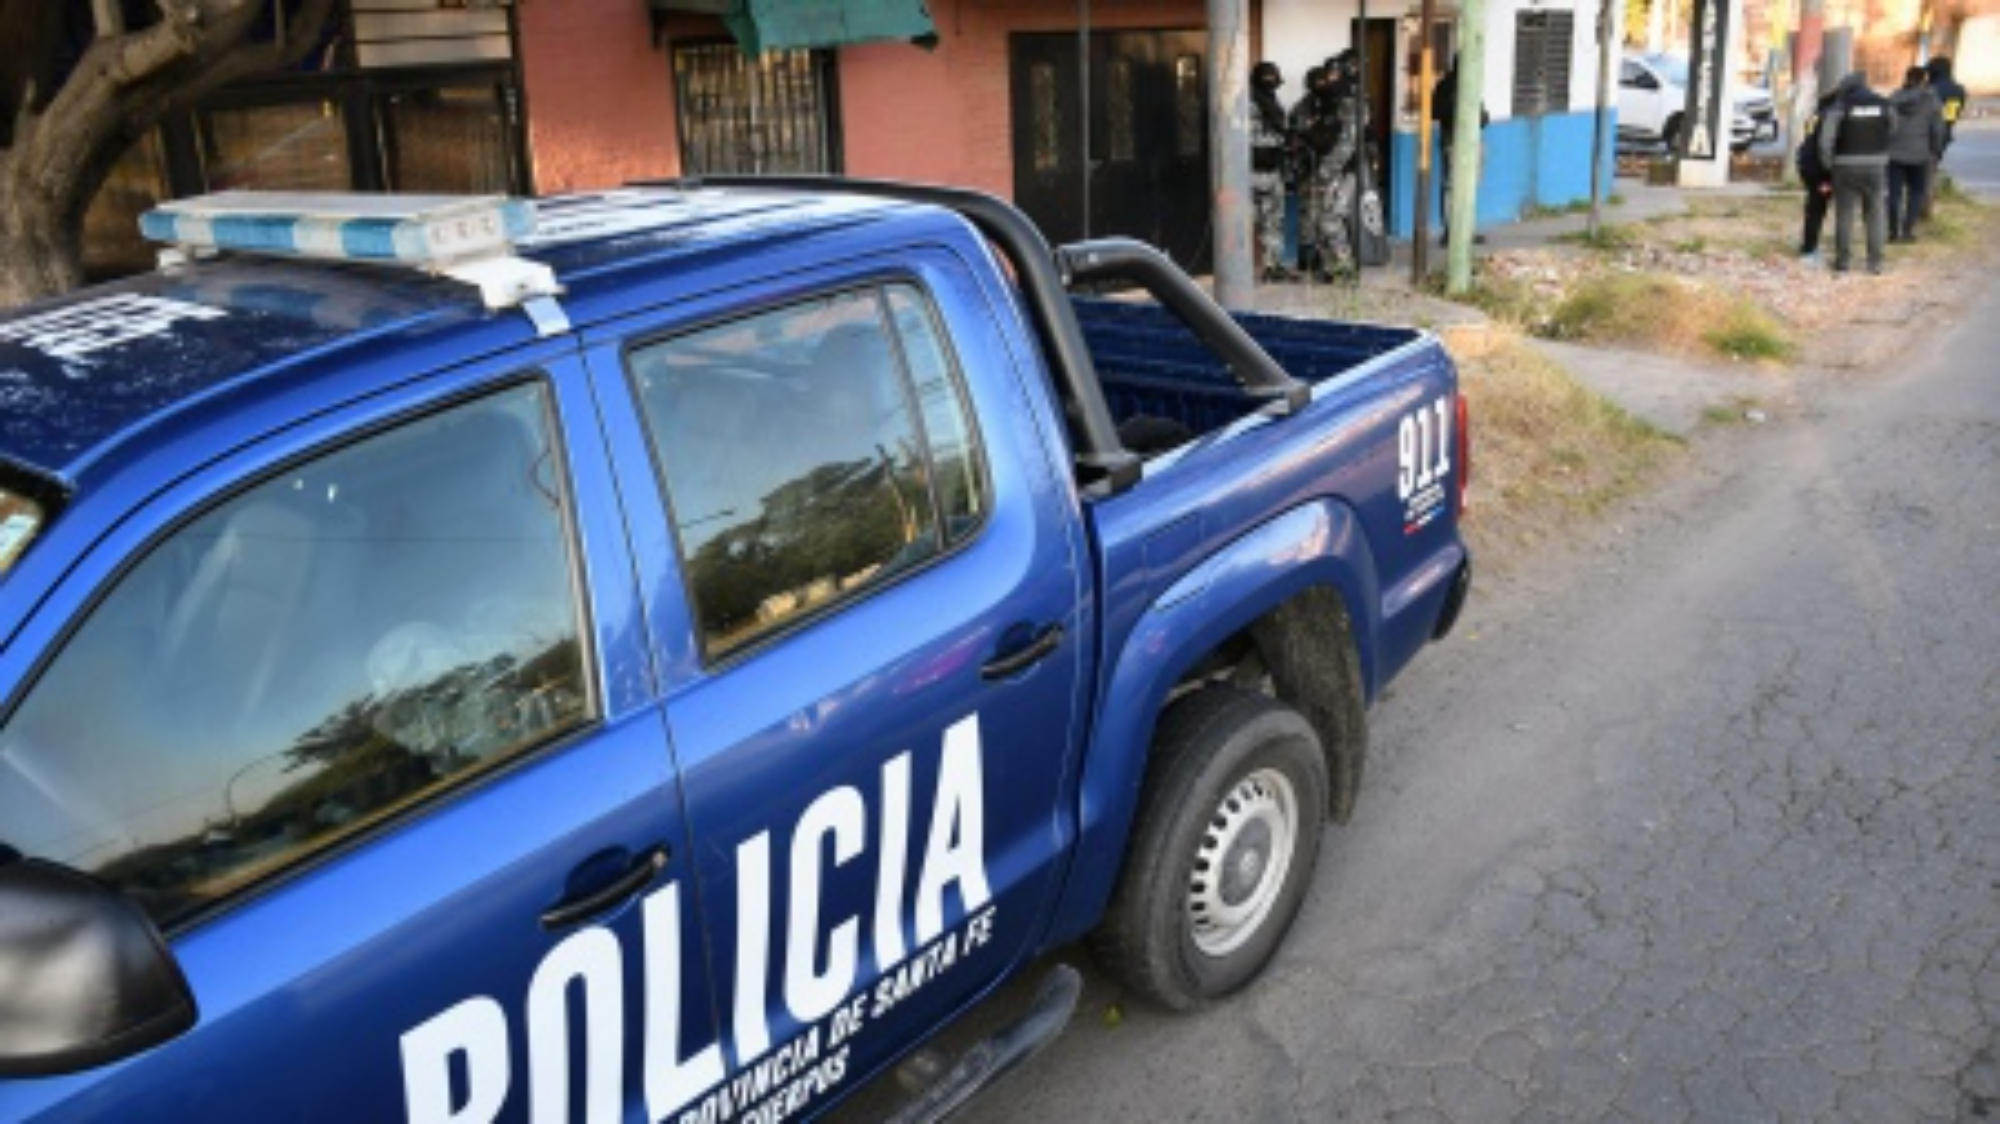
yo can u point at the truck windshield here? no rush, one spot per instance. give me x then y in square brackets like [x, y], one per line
[21, 519]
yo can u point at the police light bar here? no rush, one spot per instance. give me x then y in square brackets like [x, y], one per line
[470, 238]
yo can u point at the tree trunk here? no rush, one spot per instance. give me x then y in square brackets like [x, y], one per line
[61, 148]
[40, 253]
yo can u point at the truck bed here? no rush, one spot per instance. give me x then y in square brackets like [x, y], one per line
[1153, 368]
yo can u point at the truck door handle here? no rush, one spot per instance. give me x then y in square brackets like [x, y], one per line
[637, 877]
[1015, 660]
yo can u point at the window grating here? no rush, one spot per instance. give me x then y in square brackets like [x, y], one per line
[764, 115]
[1544, 44]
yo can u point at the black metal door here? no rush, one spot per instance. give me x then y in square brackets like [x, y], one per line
[1147, 176]
[1379, 84]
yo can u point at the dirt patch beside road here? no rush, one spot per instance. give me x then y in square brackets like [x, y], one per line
[1736, 252]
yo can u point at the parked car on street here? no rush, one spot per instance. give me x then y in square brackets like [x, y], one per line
[1652, 102]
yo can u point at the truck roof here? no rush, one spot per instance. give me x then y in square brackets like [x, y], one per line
[82, 373]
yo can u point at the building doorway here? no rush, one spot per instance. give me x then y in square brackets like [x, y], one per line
[1378, 84]
[1147, 172]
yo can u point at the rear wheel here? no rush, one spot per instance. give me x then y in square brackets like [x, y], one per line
[1228, 830]
[1670, 132]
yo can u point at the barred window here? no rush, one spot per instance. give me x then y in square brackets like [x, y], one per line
[1543, 47]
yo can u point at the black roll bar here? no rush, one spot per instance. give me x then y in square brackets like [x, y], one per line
[1133, 262]
[1103, 466]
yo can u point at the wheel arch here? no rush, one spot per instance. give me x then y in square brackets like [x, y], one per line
[1299, 590]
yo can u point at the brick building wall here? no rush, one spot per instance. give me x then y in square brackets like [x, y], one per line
[600, 100]
[944, 115]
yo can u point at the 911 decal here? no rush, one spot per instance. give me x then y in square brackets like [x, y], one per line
[456, 1064]
[1423, 462]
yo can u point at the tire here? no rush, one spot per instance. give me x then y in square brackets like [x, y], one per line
[1238, 783]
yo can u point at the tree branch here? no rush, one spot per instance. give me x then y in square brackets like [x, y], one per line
[139, 56]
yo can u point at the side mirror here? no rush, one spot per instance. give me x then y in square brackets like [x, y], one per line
[85, 978]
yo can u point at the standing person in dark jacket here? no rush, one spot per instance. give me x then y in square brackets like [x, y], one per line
[1950, 95]
[1916, 145]
[1817, 178]
[1854, 142]
[1951, 100]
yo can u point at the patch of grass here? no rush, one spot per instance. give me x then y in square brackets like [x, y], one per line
[1544, 211]
[1506, 300]
[1948, 191]
[1748, 333]
[1956, 219]
[1662, 313]
[1694, 245]
[1615, 308]
[1547, 452]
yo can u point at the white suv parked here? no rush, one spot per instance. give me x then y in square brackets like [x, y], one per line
[1652, 95]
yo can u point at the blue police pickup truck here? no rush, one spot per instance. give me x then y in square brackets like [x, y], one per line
[659, 655]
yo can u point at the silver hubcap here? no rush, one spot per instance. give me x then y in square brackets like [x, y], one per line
[1242, 861]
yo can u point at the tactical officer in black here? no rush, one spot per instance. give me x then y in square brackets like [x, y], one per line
[1854, 142]
[1270, 143]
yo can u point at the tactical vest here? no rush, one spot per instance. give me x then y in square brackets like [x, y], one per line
[1864, 129]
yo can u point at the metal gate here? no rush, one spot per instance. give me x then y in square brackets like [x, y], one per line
[775, 113]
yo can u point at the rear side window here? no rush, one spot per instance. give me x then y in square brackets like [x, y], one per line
[306, 659]
[20, 521]
[810, 454]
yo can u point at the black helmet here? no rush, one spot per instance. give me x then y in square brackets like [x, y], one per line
[1267, 75]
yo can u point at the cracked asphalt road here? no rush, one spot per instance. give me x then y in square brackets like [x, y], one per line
[1698, 821]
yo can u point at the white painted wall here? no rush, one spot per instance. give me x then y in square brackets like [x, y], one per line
[1298, 34]
[1499, 83]
[1976, 60]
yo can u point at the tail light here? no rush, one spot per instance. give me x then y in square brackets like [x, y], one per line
[1461, 430]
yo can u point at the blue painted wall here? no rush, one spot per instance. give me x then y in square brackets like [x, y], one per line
[1529, 162]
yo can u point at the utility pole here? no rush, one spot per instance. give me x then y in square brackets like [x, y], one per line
[1805, 66]
[1420, 266]
[1599, 120]
[1365, 132]
[1083, 98]
[1464, 201]
[1229, 149]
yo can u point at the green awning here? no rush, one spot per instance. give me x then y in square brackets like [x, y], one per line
[776, 25]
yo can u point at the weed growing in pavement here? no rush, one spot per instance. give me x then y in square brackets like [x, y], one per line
[1736, 411]
[1508, 300]
[1956, 218]
[1545, 211]
[1609, 239]
[1748, 333]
